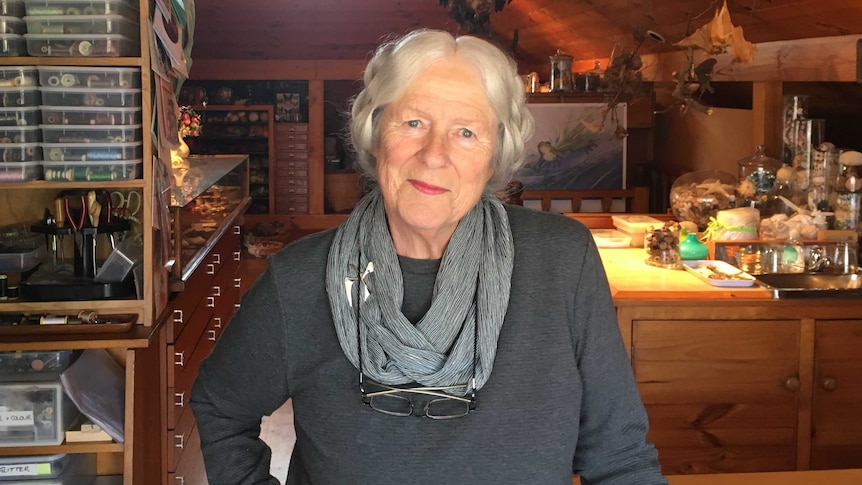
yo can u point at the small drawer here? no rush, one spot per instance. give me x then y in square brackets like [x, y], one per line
[17, 76]
[12, 45]
[12, 172]
[20, 134]
[20, 116]
[288, 182]
[92, 152]
[81, 24]
[290, 164]
[59, 115]
[33, 365]
[12, 25]
[291, 127]
[291, 145]
[92, 171]
[281, 155]
[282, 173]
[89, 77]
[37, 413]
[80, 45]
[90, 133]
[20, 152]
[103, 97]
[19, 97]
[291, 209]
[81, 7]
[12, 8]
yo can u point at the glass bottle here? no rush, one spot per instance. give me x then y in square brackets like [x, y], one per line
[757, 180]
[848, 191]
[692, 249]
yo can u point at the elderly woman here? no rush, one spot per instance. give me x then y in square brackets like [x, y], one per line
[436, 336]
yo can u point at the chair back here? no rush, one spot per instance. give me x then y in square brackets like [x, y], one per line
[636, 199]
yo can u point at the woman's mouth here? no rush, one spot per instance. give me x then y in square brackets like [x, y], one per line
[427, 189]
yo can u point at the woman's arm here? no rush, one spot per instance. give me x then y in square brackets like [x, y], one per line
[243, 379]
[612, 444]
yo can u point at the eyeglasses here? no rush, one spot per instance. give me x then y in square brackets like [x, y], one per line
[434, 402]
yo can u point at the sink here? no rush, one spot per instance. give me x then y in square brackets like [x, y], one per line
[813, 285]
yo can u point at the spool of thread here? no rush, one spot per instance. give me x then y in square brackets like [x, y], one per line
[87, 316]
[51, 320]
[4, 281]
[13, 292]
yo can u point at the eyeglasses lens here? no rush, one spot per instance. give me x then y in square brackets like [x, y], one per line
[391, 404]
[446, 408]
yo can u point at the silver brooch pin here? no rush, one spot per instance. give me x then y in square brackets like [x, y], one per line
[349, 281]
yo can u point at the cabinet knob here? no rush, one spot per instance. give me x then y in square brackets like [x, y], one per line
[179, 358]
[829, 384]
[791, 384]
[180, 399]
[179, 441]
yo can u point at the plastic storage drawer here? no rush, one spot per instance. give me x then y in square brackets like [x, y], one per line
[19, 262]
[20, 134]
[36, 467]
[11, 25]
[20, 152]
[19, 97]
[12, 8]
[33, 365]
[87, 115]
[34, 414]
[91, 133]
[90, 77]
[12, 172]
[80, 45]
[20, 116]
[12, 45]
[81, 24]
[92, 152]
[107, 97]
[92, 171]
[81, 7]
[13, 76]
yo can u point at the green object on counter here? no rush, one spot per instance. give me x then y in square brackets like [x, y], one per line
[692, 249]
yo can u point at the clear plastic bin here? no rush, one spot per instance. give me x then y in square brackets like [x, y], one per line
[19, 97]
[17, 238]
[29, 116]
[36, 467]
[92, 152]
[15, 76]
[92, 171]
[12, 8]
[13, 172]
[11, 25]
[88, 115]
[19, 262]
[105, 97]
[12, 45]
[34, 414]
[34, 364]
[80, 45]
[20, 134]
[81, 24]
[20, 152]
[67, 469]
[120, 262]
[90, 77]
[91, 134]
[81, 7]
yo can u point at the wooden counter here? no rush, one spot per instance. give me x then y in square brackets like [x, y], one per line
[820, 477]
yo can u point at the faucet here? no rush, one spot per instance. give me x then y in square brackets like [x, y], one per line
[818, 261]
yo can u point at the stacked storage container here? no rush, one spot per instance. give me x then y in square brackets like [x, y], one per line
[20, 98]
[81, 28]
[11, 38]
[34, 411]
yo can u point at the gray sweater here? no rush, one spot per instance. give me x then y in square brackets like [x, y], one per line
[561, 398]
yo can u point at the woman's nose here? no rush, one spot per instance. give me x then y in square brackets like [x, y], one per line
[435, 152]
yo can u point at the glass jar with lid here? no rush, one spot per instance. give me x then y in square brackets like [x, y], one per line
[561, 72]
[757, 181]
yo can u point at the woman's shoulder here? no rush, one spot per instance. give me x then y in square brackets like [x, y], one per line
[310, 249]
[529, 222]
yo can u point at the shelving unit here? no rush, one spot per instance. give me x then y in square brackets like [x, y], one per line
[133, 349]
[248, 130]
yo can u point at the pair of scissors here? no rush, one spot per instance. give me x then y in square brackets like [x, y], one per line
[127, 205]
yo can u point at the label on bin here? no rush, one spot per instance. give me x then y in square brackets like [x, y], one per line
[25, 470]
[16, 418]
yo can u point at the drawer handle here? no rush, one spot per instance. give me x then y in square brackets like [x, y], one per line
[178, 316]
[217, 258]
[236, 255]
[216, 290]
[237, 282]
[180, 358]
[212, 337]
[236, 306]
[210, 268]
[210, 302]
[791, 384]
[237, 229]
[217, 321]
[180, 480]
[179, 441]
[829, 384]
[180, 399]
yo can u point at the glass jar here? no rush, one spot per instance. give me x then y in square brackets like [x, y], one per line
[561, 72]
[757, 181]
[697, 196]
[662, 246]
[848, 191]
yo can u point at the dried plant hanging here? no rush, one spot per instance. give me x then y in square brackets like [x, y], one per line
[720, 34]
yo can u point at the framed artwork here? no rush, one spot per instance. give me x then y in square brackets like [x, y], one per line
[574, 147]
[287, 107]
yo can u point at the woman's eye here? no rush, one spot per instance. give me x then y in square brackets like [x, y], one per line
[413, 123]
[466, 133]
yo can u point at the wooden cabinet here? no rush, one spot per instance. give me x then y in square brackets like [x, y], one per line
[290, 184]
[837, 404]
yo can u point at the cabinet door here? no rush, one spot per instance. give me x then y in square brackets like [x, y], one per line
[721, 395]
[837, 426]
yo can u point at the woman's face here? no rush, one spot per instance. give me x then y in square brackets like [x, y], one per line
[434, 153]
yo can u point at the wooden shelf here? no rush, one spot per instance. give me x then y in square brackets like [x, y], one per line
[75, 61]
[137, 338]
[42, 184]
[100, 447]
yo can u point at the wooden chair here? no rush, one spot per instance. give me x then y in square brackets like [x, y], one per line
[636, 199]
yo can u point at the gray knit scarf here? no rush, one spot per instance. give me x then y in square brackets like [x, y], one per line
[439, 350]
